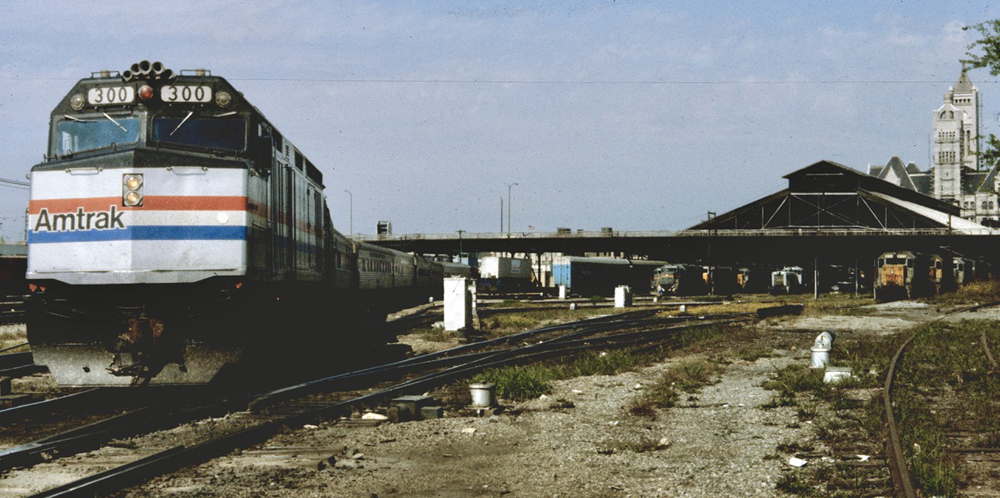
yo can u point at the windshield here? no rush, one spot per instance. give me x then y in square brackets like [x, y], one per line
[95, 133]
[205, 132]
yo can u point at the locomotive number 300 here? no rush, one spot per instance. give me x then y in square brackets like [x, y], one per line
[185, 93]
[111, 95]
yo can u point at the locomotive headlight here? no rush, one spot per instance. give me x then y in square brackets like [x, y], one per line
[223, 99]
[145, 92]
[132, 190]
[132, 182]
[77, 101]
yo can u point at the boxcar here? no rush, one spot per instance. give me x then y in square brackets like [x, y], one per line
[587, 276]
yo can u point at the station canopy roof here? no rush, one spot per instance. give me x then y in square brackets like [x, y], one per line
[828, 195]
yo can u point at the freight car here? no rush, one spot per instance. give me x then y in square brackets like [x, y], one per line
[679, 280]
[598, 276]
[504, 274]
[174, 232]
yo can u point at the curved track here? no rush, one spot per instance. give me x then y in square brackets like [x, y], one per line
[899, 469]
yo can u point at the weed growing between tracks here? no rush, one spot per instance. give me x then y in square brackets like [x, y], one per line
[688, 376]
[507, 323]
[943, 385]
[976, 292]
[529, 381]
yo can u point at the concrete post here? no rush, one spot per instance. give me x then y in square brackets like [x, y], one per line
[562, 291]
[623, 296]
[457, 304]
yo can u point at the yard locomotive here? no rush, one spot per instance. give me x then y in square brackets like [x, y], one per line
[788, 280]
[679, 280]
[905, 275]
[174, 232]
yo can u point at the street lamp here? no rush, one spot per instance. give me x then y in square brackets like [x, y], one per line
[352, 210]
[509, 186]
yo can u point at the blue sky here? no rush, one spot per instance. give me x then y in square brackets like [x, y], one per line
[633, 115]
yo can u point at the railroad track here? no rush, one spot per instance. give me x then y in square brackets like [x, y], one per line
[14, 365]
[273, 411]
[11, 311]
[971, 456]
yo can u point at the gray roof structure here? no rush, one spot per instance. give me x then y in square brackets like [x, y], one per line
[828, 195]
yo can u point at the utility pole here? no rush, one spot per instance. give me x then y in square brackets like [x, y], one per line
[509, 186]
[710, 281]
[501, 214]
[352, 210]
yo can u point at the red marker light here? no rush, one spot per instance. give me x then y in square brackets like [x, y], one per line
[145, 92]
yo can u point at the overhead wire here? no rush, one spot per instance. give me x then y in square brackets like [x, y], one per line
[14, 184]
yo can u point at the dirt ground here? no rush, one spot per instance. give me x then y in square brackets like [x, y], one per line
[576, 441]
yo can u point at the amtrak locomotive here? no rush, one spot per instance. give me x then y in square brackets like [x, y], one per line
[174, 232]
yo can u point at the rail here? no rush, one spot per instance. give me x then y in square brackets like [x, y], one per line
[176, 457]
[897, 460]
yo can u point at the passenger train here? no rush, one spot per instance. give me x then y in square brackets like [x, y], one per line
[175, 232]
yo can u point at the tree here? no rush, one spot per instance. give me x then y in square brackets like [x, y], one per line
[989, 45]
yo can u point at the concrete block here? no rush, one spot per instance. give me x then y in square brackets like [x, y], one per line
[836, 374]
[623, 296]
[406, 408]
[431, 412]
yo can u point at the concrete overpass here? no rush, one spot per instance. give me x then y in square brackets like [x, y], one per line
[828, 211]
[778, 246]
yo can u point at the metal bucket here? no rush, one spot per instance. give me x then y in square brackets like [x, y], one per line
[820, 357]
[483, 395]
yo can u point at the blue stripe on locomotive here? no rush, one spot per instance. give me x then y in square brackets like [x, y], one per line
[150, 232]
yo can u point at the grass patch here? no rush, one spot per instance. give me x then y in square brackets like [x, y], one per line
[434, 334]
[599, 363]
[518, 382]
[530, 381]
[942, 385]
[793, 380]
[686, 376]
[945, 361]
[502, 323]
[974, 292]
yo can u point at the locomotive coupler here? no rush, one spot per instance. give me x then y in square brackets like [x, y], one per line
[142, 351]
